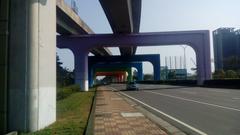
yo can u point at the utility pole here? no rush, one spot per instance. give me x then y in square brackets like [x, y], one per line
[184, 51]
[74, 6]
[170, 62]
[180, 62]
[175, 62]
[166, 64]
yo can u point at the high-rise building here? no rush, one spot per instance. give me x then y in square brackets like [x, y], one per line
[226, 43]
[237, 32]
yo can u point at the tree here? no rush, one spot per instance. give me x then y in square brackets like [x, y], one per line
[238, 73]
[231, 63]
[148, 77]
[219, 74]
[64, 76]
[172, 74]
[231, 74]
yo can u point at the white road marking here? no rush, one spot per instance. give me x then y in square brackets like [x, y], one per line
[199, 102]
[236, 98]
[189, 92]
[220, 91]
[166, 115]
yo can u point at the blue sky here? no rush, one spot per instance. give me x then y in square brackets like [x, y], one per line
[164, 15]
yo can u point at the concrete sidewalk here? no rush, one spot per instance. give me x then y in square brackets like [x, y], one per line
[115, 116]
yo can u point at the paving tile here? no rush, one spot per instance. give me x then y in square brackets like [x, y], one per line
[115, 116]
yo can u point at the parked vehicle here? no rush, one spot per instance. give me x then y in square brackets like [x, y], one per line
[132, 86]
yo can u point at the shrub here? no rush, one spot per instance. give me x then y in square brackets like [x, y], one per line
[219, 74]
[231, 74]
[67, 91]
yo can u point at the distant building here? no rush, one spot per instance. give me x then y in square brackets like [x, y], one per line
[226, 43]
[164, 73]
[74, 6]
[168, 74]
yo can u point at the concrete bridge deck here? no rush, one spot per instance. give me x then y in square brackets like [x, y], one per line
[69, 23]
[124, 17]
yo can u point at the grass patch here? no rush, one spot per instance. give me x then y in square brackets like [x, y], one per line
[72, 115]
[67, 91]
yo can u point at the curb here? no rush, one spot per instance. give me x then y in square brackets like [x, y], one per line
[168, 128]
[12, 133]
[166, 122]
[90, 125]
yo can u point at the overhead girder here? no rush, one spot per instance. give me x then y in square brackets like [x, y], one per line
[69, 23]
[124, 18]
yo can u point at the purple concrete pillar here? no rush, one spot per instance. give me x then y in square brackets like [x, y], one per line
[202, 50]
[122, 76]
[80, 53]
[81, 68]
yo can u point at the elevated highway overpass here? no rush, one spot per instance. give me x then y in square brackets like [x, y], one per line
[28, 55]
[28, 60]
[124, 18]
[69, 23]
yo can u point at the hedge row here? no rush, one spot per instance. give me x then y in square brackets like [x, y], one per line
[223, 83]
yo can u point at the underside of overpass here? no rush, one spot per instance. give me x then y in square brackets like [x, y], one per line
[198, 40]
[124, 18]
[115, 65]
[28, 59]
[69, 23]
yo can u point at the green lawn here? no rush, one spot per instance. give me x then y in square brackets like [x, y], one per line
[72, 115]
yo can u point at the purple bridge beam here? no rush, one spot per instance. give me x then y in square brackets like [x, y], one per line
[198, 40]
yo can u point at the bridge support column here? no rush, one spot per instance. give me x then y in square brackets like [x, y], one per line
[156, 68]
[122, 76]
[203, 62]
[125, 77]
[140, 73]
[129, 77]
[113, 66]
[156, 73]
[91, 76]
[32, 65]
[4, 21]
[118, 78]
[81, 69]
[140, 76]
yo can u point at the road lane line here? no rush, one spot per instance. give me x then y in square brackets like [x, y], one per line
[166, 115]
[236, 98]
[219, 91]
[189, 92]
[199, 102]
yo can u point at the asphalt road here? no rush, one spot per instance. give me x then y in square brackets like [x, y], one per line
[211, 110]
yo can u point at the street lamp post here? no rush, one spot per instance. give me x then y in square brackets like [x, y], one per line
[184, 51]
